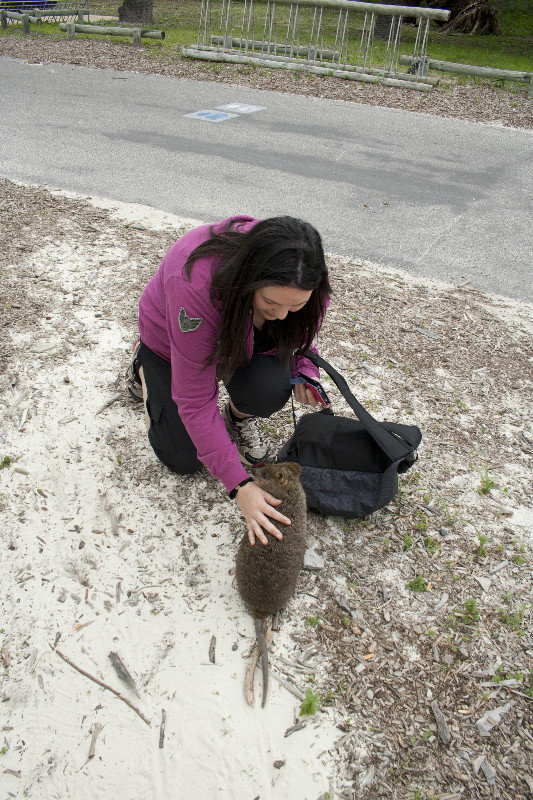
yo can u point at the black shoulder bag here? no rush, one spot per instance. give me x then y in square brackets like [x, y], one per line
[349, 466]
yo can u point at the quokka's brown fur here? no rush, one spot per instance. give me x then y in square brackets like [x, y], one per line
[267, 574]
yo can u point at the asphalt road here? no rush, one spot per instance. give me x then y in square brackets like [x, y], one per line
[438, 197]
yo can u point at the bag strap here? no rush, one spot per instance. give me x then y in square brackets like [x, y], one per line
[391, 445]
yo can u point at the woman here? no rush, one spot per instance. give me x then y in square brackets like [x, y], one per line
[239, 301]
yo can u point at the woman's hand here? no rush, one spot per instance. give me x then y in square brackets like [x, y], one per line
[304, 395]
[257, 506]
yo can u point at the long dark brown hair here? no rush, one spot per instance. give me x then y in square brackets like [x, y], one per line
[279, 251]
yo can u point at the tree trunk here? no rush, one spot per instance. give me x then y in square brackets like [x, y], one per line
[136, 11]
[469, 16]
[382, 23]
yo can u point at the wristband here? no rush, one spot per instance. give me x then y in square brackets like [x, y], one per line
[233, 493]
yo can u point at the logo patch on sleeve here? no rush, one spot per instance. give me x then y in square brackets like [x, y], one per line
[188, 324]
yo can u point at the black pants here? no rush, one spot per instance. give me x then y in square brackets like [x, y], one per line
[259, 388]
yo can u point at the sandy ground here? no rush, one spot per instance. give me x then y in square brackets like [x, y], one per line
[104, 550]
[141, 569]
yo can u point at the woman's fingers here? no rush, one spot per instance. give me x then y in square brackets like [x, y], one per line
[274, 501]
[311, 399]
[258, 509]
[258, 527]
[261, 526]
[272, 512]
[254, 531]
[304, 395]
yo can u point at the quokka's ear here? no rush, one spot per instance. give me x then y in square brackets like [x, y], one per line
[280, 476]
[294, 468]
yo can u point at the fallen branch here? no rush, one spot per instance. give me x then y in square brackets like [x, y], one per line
[108, 403]
[162, 728]
[123, 672]
[97, 728]
[102, 684]
[290, 687]
[212, 649]
[338, 744]
[298, 726]
[442, 727]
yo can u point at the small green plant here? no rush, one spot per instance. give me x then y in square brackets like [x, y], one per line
[346, 622]
[469, 613]
[529, 692]
[5, 462]
[482, 550]
[400, 497]
[519, 559]
[387, 544]
[418, 584]
[514, 619]
[431, 545]
[486, 482]
[451, 516]
[422, 523]
[310, 703]
[407, 542]
[312, 621]
[3, 751]
[500, 675]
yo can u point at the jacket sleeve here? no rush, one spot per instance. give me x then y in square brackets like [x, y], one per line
[191, 324]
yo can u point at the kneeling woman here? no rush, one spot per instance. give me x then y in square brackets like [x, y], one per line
[237, 302]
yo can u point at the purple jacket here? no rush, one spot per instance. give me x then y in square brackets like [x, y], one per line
[178, 321]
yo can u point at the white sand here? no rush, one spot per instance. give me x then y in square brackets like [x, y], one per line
[59, 492]
[153, 578]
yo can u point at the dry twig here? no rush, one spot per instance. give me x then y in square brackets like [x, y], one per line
[97, 728]
[122, 672]
[162, 728]
[212, 647]
[102, 684]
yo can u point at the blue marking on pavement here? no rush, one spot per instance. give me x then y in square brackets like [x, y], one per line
[211, 115]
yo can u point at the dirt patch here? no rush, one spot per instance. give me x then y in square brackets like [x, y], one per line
[417, 625]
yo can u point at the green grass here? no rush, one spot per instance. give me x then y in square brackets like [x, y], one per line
[469, 613]
[418, 584]
[512, 49]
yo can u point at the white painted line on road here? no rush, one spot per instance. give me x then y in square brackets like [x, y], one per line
[241, 108]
